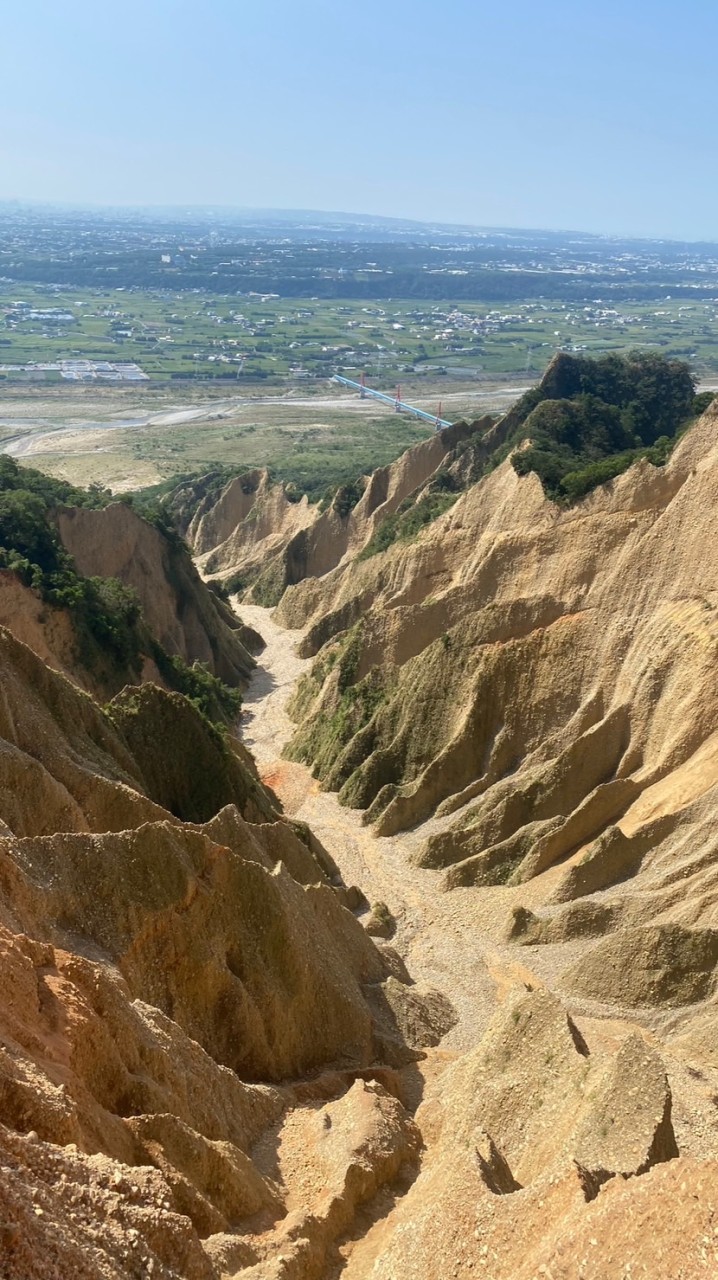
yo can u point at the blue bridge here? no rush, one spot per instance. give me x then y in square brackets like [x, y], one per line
[395, 401]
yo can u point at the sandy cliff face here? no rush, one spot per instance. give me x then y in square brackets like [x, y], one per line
[209, 1069]
[179, 610]
[252, 501]
[538, 686]
[539, 663]
[46, 630]
[255, 534]
[528, 692]
[67, 765]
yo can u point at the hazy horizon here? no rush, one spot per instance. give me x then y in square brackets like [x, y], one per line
[555, 116]
[347, 215]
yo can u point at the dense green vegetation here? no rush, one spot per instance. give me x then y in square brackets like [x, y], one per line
[589, 420]
[584, 424]
[52, 492]
[210, 695]
[344, 499]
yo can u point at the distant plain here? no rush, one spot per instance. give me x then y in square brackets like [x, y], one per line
[239, 329]
[314, 435]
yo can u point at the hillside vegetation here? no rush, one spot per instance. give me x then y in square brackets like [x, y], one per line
[112, 638]
[588, 420]
[105, 614]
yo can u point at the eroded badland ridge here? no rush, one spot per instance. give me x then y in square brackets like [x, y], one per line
[216, 1058]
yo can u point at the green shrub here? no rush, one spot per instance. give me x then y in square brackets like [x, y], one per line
[346, 498]
[210, 695]
[703, 401]
[589, 420]
[408, 520]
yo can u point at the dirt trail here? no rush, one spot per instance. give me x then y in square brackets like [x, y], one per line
[439, 935]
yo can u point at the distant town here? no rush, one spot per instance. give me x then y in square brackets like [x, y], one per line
[77, 371]
[89, 296]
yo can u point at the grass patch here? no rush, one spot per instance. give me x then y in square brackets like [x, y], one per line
[215, 700]
[413, 515]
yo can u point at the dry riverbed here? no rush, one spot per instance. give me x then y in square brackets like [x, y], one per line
[451, 941]
[440, 935]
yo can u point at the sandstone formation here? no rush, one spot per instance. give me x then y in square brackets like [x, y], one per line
[224, 1051]
[186, 619]
[256, 533]
[67, 765]
[538, 684]
[48, 631]
[521, 696]
[188, 1006]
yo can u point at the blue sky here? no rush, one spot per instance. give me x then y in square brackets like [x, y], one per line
[601, 117]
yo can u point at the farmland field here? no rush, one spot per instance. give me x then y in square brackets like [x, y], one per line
[239, 329]
[127, 437]
[230, 340]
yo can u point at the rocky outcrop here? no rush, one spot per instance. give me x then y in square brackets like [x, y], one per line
[68, 765]
[256, 536]
[267, 515]
[62, 766]
[661, 965]
[581, 1110]
[180, 612]
[506, 664]
[127, 1149]
[46, 630]
[202, 771]
[194, 928]
[528, 1135]
[174, 954]
[157, 981]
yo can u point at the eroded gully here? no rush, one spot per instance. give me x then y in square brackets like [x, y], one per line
[440, 935]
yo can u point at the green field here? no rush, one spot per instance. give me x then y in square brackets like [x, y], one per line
[244, 340]
[135, 436]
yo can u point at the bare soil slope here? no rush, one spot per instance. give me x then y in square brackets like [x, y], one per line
[188, 1006]
[562, 1134]
[258, 533]
[181, 613]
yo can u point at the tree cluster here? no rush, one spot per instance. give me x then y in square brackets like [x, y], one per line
[589, 419]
